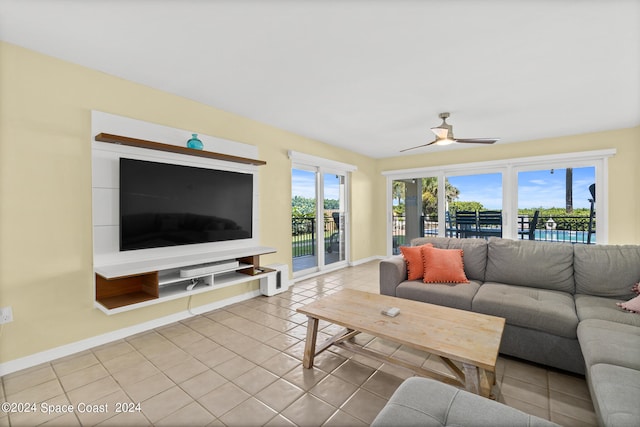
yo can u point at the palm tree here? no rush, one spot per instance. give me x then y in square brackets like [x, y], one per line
[430, 194]
[569, 189]
[398, 189]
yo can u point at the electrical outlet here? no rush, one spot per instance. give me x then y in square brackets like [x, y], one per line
[6, 315]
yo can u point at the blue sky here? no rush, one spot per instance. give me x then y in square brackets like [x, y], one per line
[303, 183]
[486, 189]
[535, 189]
[544, 189]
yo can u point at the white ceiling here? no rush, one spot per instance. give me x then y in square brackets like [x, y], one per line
[369, 76]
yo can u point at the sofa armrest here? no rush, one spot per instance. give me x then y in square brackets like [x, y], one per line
[393, 271]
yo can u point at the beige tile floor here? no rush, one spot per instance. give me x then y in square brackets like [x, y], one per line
[241, 366]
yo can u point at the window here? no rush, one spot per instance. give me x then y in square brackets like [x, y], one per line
[562, 202]
[475, 205]
[504, 197]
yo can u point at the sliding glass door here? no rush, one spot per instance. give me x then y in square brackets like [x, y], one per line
[333, 217]
[319, 223]
[415, 210]
[304, 224]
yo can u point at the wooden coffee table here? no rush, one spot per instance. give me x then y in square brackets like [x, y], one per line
[454, 335]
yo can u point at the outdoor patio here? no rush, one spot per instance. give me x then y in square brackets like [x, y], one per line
[304, 245]
[309, 261]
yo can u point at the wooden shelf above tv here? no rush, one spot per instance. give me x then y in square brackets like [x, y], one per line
[141, 143]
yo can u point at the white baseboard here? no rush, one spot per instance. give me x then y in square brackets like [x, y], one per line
[366, 260]
[330, 269]
[317, 273]
[78, 346]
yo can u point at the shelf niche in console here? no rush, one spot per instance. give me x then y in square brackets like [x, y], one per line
[128, 286]
[121, 291]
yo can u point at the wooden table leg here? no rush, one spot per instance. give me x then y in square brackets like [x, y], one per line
[487, 380]
[476, 380]
[471, 378]
[310, 344]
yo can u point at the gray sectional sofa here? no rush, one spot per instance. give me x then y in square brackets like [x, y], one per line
[559, 302]
[448, 406]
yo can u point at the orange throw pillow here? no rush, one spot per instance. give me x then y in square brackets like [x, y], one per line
[413, 257]
[443, 265]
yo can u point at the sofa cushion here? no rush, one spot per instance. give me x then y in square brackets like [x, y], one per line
[447, 294]
[614, 392]
[590, 307]
[442, 265]
[546, 265]
[540, 309]
[606, 270]
[425, 402]
[475, 253]
[437, 242]
[603, 341]
[474, 257]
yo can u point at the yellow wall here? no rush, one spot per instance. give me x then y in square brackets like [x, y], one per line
[624, 171]
[45, 191]
[45, 188]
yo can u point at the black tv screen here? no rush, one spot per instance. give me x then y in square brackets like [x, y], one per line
[164, 204]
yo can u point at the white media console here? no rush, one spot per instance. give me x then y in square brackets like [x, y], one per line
[126, 280]
[123, 287]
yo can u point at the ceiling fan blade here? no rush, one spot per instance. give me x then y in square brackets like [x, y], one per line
[476, 140]
[419, 146]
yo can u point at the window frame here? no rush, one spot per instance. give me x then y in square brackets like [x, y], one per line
[320, 166]
[510, 169]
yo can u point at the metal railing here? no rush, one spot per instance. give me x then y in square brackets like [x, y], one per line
[304, 235]
[574, 229]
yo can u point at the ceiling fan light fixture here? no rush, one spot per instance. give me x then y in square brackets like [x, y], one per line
[441, 132]
[444, 141]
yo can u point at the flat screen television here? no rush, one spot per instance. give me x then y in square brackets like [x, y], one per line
[163, 204]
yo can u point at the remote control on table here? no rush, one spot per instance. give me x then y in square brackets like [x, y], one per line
[391, 311]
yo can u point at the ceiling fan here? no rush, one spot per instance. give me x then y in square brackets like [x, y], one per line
[444, 136]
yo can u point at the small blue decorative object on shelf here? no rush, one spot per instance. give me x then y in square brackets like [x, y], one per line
[194, 142]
